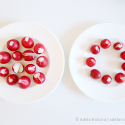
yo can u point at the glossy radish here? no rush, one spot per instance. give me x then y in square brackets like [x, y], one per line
[123, 66]
[30, 68]
[39, 48]
[39, 78]
[106, 79]
[42, 61]
[122, 55]
[5, 57]
[120, 77]
[12, 79]
[4, 71]
[95, 49]
[118, 46]
[90, 61]
[13, 44]
[95, 74]
[105, 43]
[27, 42]
[28, 55]
[24, 82]
[17, 55]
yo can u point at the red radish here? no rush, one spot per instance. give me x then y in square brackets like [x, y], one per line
[122, 55]
[17, 55]
[42, 61]
[39, 48]
[27, 42]
[90, 61]
[28, 55]
[123, 66]
[39, 78]
[30, 68]
[95, 49]
[18, 67]
[119, 77]
[12, 79]
[24, 82]
[5, 57]
[106, 79]
[13, 44]
[118, 46]
[4, 71]
[105, 43]
[95, 74]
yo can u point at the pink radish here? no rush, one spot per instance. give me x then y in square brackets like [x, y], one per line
[4, 71]
[30, 68]
[5, 57]
[42, 61]
[17, 55]
[12, 79]
[39, 48]
[118, 46]
[28, 55]
[27, 42]
[24, 82]
[13, 44]
[39, 78]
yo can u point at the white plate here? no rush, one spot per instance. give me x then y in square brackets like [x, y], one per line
[108, 62]
[53, 71]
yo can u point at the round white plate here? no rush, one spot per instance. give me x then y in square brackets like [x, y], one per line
[53, 71]
[108, 62]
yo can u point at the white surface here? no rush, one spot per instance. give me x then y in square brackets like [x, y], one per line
[67, 19]
[108, 61]
[40, 35]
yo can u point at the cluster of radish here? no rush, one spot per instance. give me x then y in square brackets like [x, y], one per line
[28, 55]
[95, 74]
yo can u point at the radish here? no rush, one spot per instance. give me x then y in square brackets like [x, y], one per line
[28, 55]
[4, 71]
[39, 78]
[5, 57]
[90, 61]
[106, 79]
[120, 77]
[24, 82]
[12, 79]
[95, 74]
[30, 68]
[39, 48]
[27, 42]
[13, 44]
[17, 55]
[105, 43]
[95, 49]
[18, 67]
[123, 66]
[122, 55]
[118, 46]
[42, 61]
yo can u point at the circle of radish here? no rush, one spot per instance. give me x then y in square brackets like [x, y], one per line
[123, 57]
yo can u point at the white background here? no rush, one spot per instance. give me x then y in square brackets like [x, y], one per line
[66, 19]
